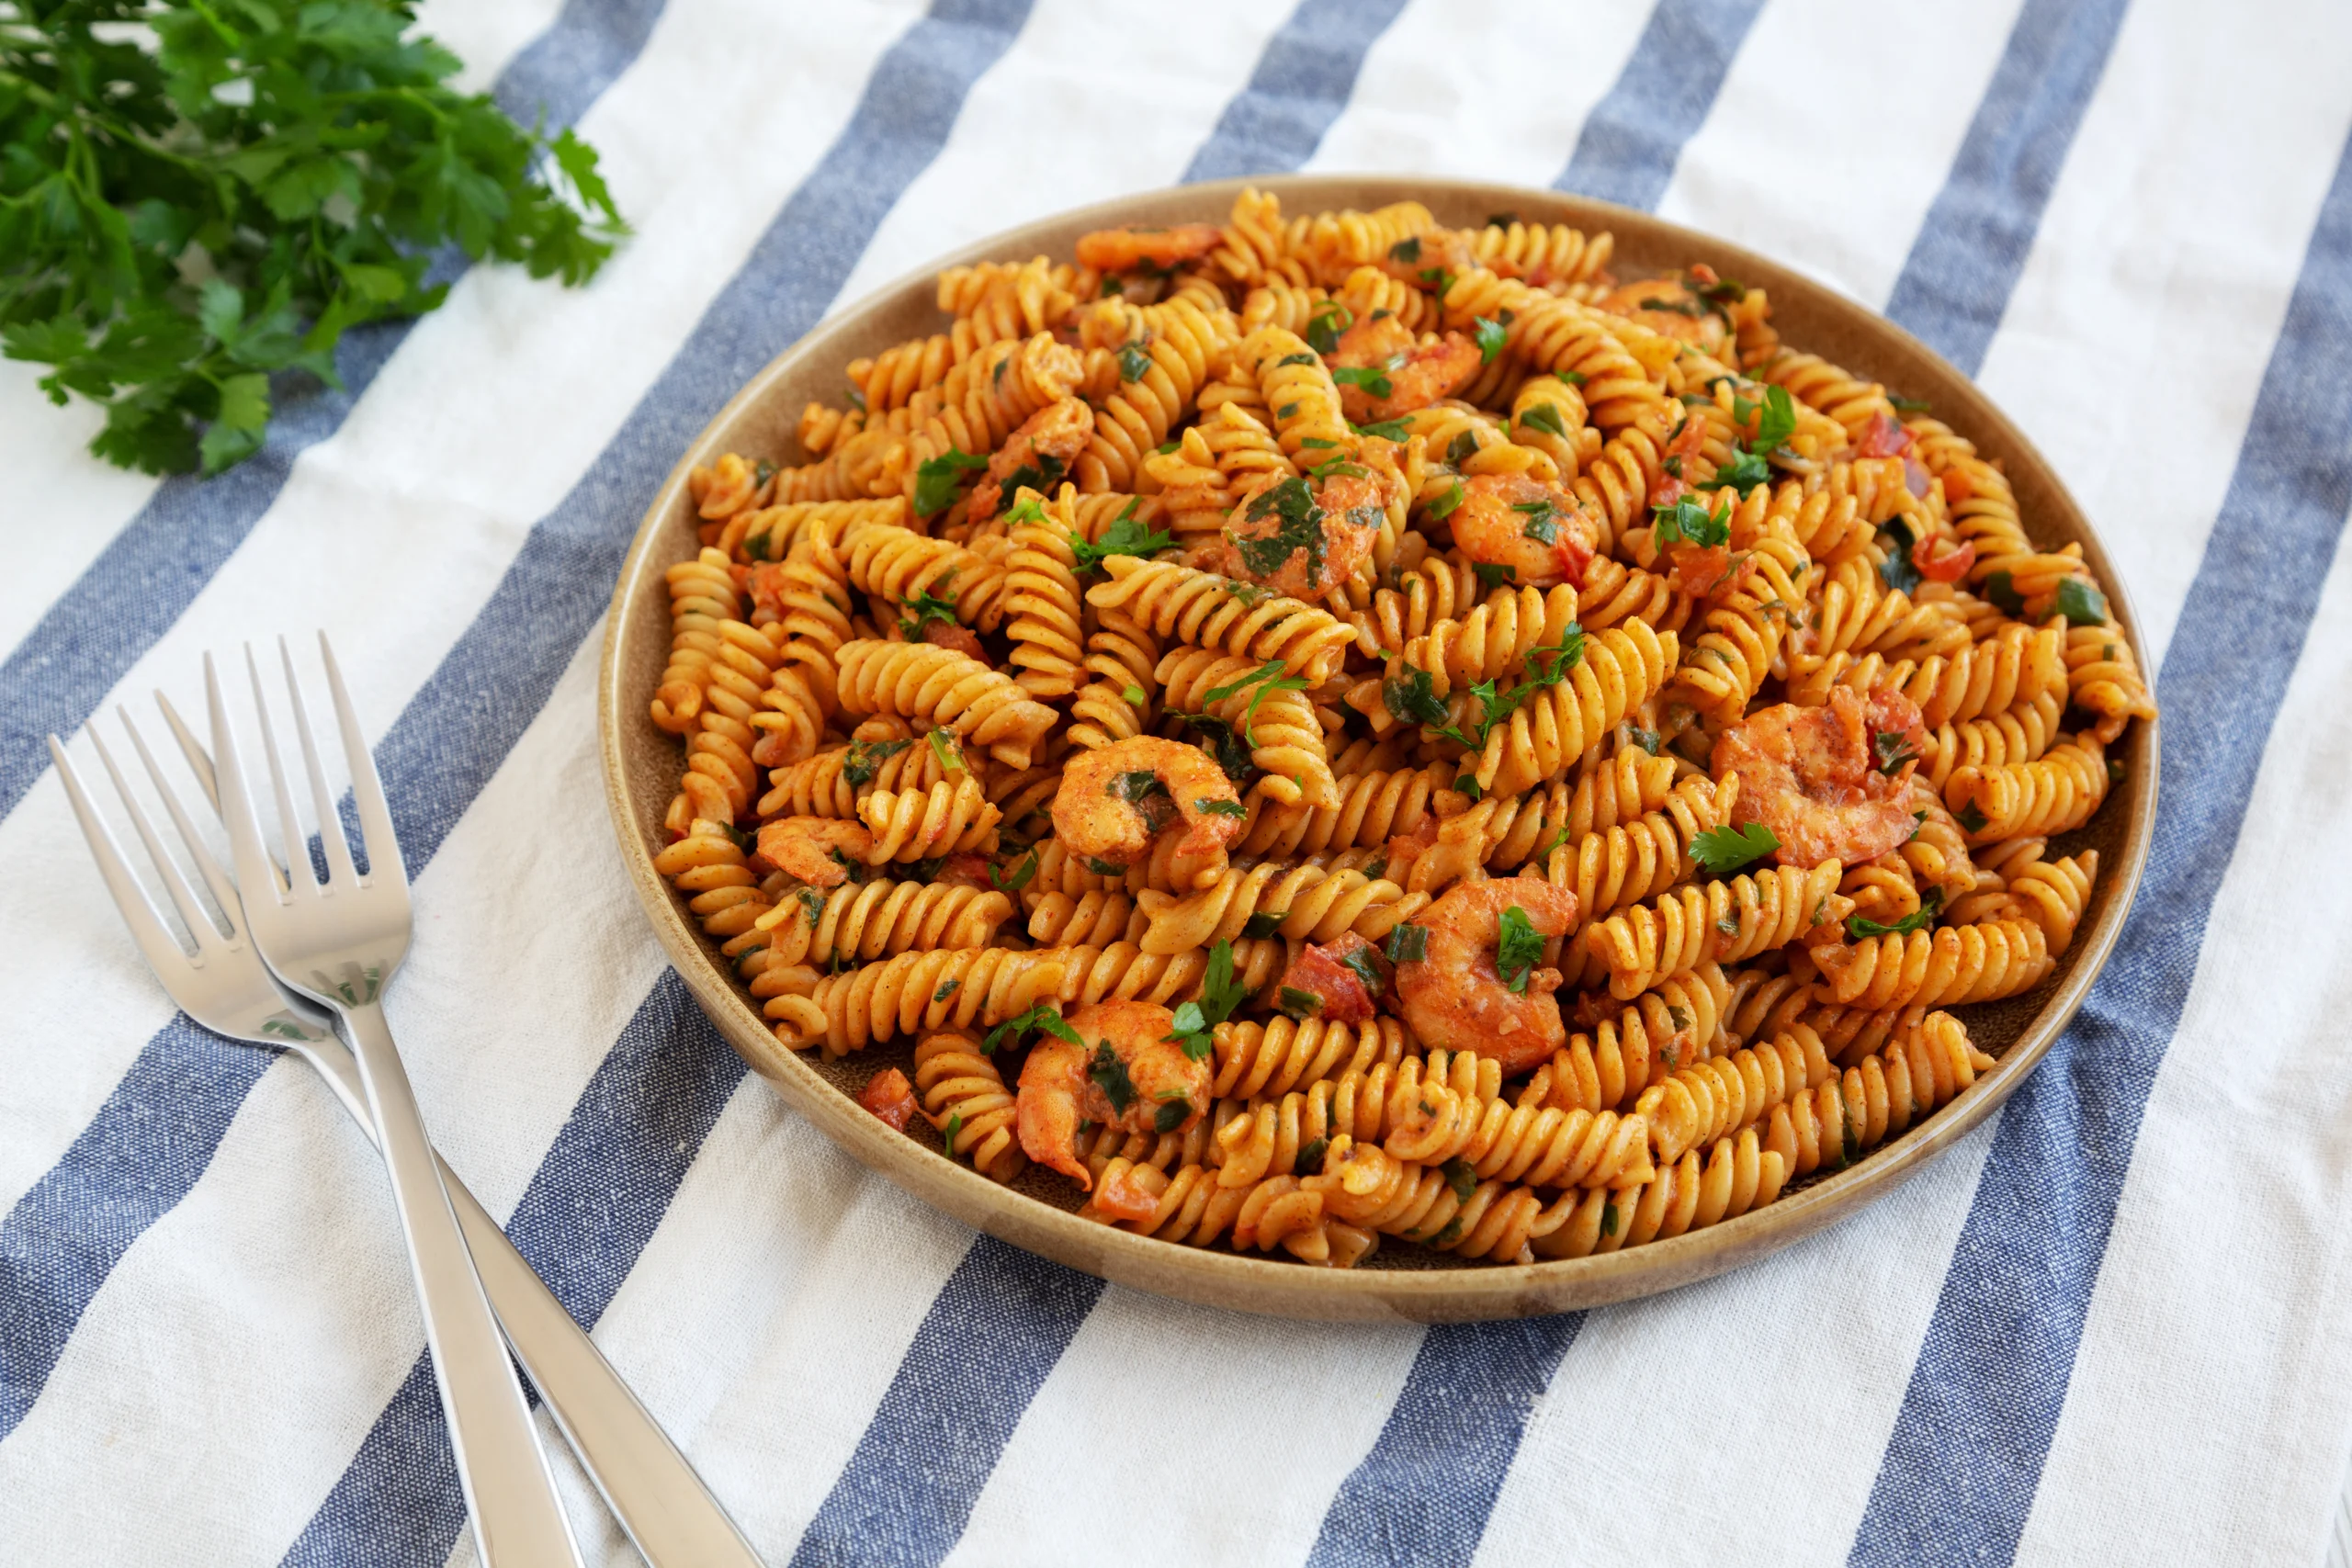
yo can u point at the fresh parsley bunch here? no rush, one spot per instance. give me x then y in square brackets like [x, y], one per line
[197, 194]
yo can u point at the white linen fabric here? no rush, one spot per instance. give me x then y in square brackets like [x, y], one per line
[2115, 1325]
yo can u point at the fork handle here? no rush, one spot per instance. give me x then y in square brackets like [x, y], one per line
[650, 1487]
[509, 1489]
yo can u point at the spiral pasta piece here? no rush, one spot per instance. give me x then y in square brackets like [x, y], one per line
[964, 1097]
[1303, 903]
[1935, 968]
[2053, 894]
[2041, 799]
[1723, 1095]
[1280, 727]
[1187, 347]
[1549, 255]
[946, 819]
[1922, 1070]
[1281, 1137]
[947, 988]
[1493, 639]
[901, 565]
[2103, 678]
[832, 783]
[859, 922]
[702, 600]
[1282, 1055]
[1364, 1185]
[1209, 611]
[1622, 668]
[1537, 1144]
[940, 687]
[1369, 809]
[1622, 864]
[1721, 921]
[1736, 1177]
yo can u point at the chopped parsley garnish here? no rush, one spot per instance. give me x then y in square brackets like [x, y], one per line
[1268, 678]
[1171, 1112]
[1310, 1158]
[1442, 507]
[1219, 996]
[1744, 472]
[1299, 526]
[1021, 875]
[1857, 928]
[1543, 524]
[812, 905]
[2001, 589]
[1898, 571]
[1134, 360]
[1410, 696]
[1491, 577]
[1216, 807]
[1688, 521]
[1407, 251]
[866, 758]
[1645, 739]
[945, 990]
[1044, 1016]
[1461, 1175]
[1041, 476]
[1408, 943]
[1323, 326]
[1102, 867]
[1777, 422]
[1125, 537]
[1148, 793]
[2082, 604]
[1519, 947]
[1372, 378]
[1111, 1073]
[1295, 359]
[1464, 447]
[1227, 748]
[1892, 749]
[1264, 923]
[938, 479]
[1300, 1004]
[1386, 429]
[1501, 220]
[1489, 336]
[1366, 966]
[926, 607]
[1969, 819]
[1544, 417]
[1723, 849]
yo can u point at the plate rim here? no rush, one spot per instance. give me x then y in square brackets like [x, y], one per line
[1279, 1287]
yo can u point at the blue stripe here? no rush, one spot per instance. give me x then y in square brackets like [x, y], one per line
[643, 1117]
[1965, 261]
[589, 1212]
[920, 1509]
[996, 1330]
[159, 1128]
[1426, 1491]
[1302, 80]
[1636, 135]
[1423, 1495]
[1960, 1474]
[152, 570]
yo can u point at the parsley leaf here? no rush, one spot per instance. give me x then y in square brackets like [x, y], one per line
[1125, 537]
[1544, 417]
[1857, 928]
[2082, 604]
[1519, 947]
[1135, 362]
[1323, 326]
[1688, 521]
[1408, 251]
[1969, 819]
[1491, 577]
[1022, 872]
[866, 758]
[1044, 1016]
[1897, 571]
[309, 160]
[1461, 1175]
[1777, 422]
[1172, 1113]
[1110, 1072]
[1219, 996]
[947, 989]
[1408, 943]
[1268, 678]
[1489, 336]
[955, 1130]
[1410, 696]
[1216, 807]
[1231, 754]
[1372, 378]
[938, 479]
[1300, 1004]
[1892, 749]
[1723, 850]
[1265, 923]
[926, 607]
[1542, 525]
[1442, 507]
[1310, 1158]
[2001, 589]
[1744, 472]
[1386, 429]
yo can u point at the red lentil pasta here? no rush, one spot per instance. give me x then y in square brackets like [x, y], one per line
[1330, 730]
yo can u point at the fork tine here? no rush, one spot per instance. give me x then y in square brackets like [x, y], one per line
[299, 874]
[183, 898]
[198, 763]
[254, 868]
[224, 892]
[366, 790]
[155, 940]
[338, 848]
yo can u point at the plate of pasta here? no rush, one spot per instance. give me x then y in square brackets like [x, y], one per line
[1370, 747]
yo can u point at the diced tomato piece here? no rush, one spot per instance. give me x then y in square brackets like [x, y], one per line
[1319, 972]
[963, 639]
[890, 1096]
[1884, 437]
[1949, 567]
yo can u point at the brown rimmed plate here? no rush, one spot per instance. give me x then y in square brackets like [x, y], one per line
[642, 763]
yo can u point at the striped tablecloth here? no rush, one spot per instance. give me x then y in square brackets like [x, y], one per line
[2112, 1326]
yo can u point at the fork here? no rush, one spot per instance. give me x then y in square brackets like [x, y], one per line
[648, 1484]
[339, 943]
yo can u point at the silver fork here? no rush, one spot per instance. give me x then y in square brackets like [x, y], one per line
[648, 1484]
[339, 943]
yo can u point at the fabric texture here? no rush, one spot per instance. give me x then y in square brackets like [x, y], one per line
[2114, 1325]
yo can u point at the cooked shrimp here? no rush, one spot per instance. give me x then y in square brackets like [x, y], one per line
[1037, 453]
[1114, 800]
[1125, 1072]
[1670, 306]
[1133, 248]
[1303, 538]
[1536, 529]
[1455, 995]
[1831, 782]
[1429, 257]
[819, 850]
[1394, 372]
